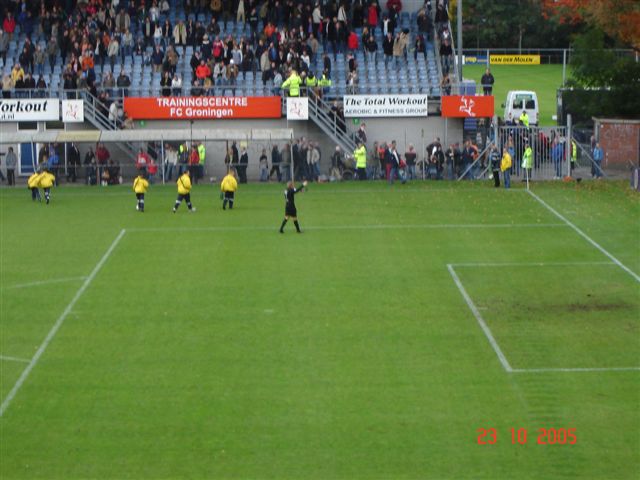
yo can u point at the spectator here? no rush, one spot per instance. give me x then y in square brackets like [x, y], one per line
[446, 52]
[180, 35]
[123, 82]
[4, 46]
[9, 25]
[371, 47]
[11, 161]
[387, 48]
[487, 82]
[41, 86]
[410, 158]
[165, 83]
[264, 166]
[373, 15]
[142, 160]
[598, 156]
[113, 50]
[7, 86]
[127, 45]
[203, 71]
[176, 85]
[52, 52]
[157, 58]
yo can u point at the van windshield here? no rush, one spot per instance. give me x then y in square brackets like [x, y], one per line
[524, 101]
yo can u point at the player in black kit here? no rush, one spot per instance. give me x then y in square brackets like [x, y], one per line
[290, 211]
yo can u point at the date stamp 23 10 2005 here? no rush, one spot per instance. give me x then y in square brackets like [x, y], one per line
[546, 436]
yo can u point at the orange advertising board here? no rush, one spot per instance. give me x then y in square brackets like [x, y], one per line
[178, 108]
[467, 106]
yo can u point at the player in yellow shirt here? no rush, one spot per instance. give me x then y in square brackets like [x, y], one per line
[32, 184]
[184, 192]
[228, 187]
[140, 187]
[46, 181]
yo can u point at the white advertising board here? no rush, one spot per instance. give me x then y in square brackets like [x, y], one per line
[385, 105]
[29, 109]
[297, 108]
[73, 111]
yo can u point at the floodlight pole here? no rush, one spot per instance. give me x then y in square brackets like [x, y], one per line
[459, 18]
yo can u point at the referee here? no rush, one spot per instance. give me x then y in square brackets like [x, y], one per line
[290, 212]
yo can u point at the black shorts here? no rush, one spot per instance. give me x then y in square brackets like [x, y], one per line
[290, 211]
[186, 197]
[140, 196]
[229, 195]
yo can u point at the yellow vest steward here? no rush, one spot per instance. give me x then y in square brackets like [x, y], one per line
[229, 184]
[46, 180]
[527, 158]
[574, 151]
[140, 185]
[293, 84]
[311, 81]
[34, 180]
[360, 154]
[505, 163]
[201, 154]
[184, 184]
[524, 118]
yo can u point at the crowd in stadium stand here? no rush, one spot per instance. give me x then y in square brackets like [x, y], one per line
[283, 35]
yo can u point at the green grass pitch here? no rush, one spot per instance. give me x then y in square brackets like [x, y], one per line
[207, 345]
[545, 80]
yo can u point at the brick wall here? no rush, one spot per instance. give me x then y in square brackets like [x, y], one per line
[621, 143]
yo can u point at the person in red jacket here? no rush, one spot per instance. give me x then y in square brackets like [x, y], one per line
[373, 16]
[352, 41]
[203, 71]
[394, 5]
[194, 163]
[9, 25]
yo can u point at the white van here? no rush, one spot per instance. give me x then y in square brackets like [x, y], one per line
[519, 100]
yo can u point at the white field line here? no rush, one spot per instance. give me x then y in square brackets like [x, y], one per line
[43, 282]
[13, 359]
[483, 325]
[603, 369]
[58, 324]
[425, 226]
[585, 236]
[530, 264]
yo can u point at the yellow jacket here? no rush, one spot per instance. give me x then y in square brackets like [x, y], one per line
[229, 184]
[505, 163]
[360, 155]
[184, 184]
[46, 180]
[293, 84]
[34, 180]
[527, 158]
[140, 184]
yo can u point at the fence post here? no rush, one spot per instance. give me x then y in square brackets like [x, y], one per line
[161, 162]
[564, 67]
[569, 149]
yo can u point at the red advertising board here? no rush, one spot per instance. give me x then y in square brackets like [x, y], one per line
[467, 106]
[177, 108]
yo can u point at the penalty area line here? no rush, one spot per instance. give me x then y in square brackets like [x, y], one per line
[529, 264]
[52, 333]
[425, 226]
[585, 236]
[476, 313]
[586, 369]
